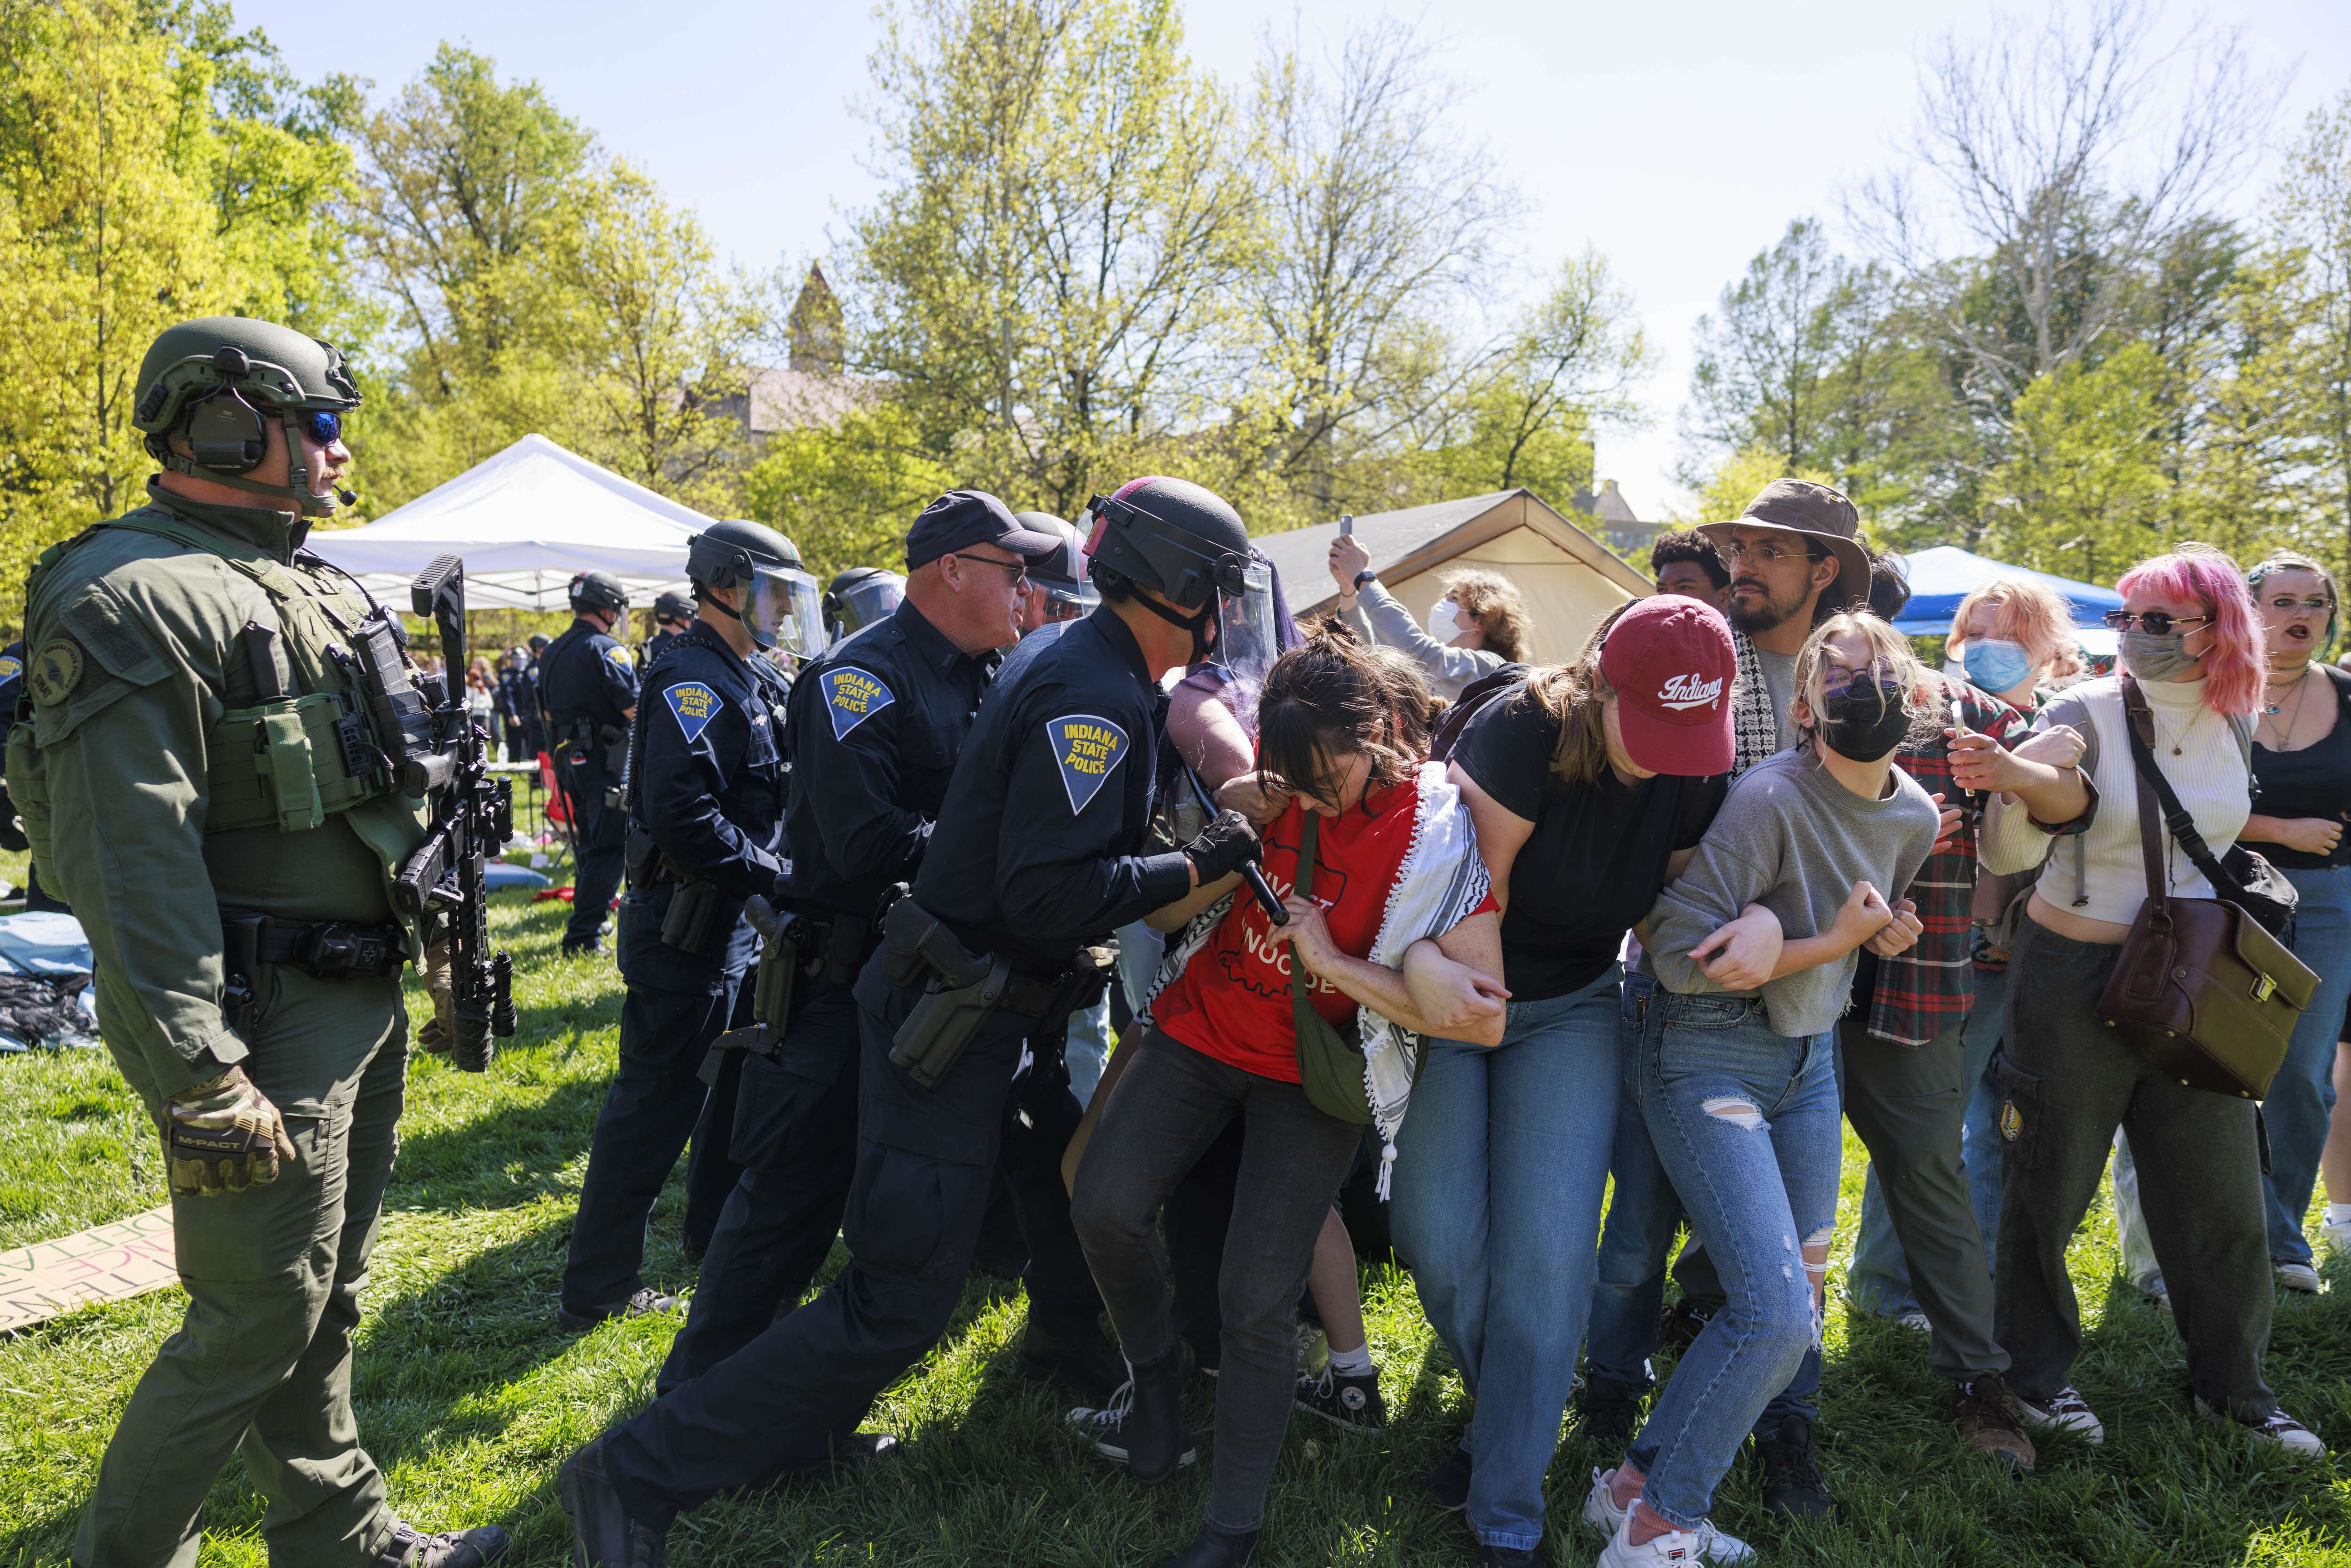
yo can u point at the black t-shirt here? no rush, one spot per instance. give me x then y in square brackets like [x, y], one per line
[1595, 865]
[2312, 782]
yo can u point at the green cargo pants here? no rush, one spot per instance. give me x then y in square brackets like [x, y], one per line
[263, 1359]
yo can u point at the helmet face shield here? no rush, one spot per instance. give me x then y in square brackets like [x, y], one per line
[862, 604]
[1247, 643]
[783, 609]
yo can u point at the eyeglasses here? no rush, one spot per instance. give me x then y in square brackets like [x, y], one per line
[1018, 569]
[325, 426]
[2285, 604]
[2156, 623]
[1761, 554]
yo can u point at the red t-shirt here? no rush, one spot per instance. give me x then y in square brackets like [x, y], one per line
[1232, 1001]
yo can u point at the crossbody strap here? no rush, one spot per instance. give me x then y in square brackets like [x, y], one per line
[1301, 1003]
[2175, 815]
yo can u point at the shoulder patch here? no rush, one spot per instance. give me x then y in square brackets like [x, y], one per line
[851, 697]
[695, 705]
[619, 654]
[56, 671]
[11, 667]
[1088, 750]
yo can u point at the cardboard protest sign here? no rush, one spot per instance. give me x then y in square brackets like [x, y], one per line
[105, 1263]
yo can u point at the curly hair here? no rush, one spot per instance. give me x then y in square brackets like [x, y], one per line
[1494, 600]
[2031, 614]
[1693, 547]
[1333, 698]
[2234, 668]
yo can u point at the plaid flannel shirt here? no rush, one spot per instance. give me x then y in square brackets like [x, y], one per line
[1928, 990]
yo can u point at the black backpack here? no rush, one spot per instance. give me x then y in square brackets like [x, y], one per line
[1474, 696]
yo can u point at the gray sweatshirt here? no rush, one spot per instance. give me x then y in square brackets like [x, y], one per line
[1380, 620]
[1793, 840]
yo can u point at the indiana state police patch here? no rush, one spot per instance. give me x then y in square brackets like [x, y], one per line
[695, 705]
[1088, 750]
[853, 696]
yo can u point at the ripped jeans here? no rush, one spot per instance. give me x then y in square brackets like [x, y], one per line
[1745, 1123]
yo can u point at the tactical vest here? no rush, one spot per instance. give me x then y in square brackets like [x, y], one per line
[292, 762]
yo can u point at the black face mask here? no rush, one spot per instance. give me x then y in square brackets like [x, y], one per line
[1865, 721]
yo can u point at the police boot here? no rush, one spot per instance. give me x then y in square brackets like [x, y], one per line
[1073, 1354]
[1216, 1548]
[602, 1533]
[410, 1548]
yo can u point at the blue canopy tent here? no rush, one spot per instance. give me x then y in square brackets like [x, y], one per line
[1941, 577]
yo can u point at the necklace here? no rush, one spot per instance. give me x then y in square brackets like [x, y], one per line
[2284, 731]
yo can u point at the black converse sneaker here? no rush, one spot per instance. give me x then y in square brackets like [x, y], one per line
[1349, 1404]
[1106, 1427]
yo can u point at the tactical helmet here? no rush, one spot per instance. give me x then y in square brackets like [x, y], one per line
[671, 605]
[779, 600]
[599, 591]
[1182, 541]
[861, 596]
[1061, 576]
[209, 379]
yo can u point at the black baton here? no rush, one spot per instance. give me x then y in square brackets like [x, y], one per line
[1249, 871]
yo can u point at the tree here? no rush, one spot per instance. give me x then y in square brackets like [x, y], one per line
[1044, 280]
[2024, 134]
[2310, 268]
[154, 166]
[846, 494]
[1380, 223]
[2086, 493]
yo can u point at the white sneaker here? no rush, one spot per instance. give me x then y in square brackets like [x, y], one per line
[2280, 1428]
[2335, 1233]
[2066, 1412]
[1674, 1549]
[1916, 1321]
[2300, 1276]
[1600, 1510]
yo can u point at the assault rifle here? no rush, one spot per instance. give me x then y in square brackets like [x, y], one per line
[473, 817]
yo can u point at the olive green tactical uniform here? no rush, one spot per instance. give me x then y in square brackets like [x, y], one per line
[152, 801]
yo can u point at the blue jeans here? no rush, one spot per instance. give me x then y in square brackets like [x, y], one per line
[1878, 1280]
[1629, 1286]
[2302, 1097]
[1746, 1123]
[1499, 1170]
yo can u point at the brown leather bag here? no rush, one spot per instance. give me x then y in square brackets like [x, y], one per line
[2201, 990]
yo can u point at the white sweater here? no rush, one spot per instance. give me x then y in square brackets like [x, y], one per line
[2101, 874]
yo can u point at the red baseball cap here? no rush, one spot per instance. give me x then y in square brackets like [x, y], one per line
[1671, 662]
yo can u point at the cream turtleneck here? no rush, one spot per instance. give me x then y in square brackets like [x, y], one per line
[2201, 753]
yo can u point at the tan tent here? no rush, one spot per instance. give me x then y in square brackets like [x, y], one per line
[1569, 578]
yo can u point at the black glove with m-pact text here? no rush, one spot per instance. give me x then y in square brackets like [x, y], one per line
[1223, 847]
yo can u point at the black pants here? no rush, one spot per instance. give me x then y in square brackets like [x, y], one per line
[1196, 1216]
[2069, 1083]
[655, 1104]
[794, 1135]
[926, 1160]
[600, 833]
[1171, 1105]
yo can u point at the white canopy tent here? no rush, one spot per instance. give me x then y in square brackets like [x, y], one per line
[526, 521]
[1569, 578]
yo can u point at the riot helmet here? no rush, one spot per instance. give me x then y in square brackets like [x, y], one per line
[598, 590]
[1182, 541]
[1062, 578]
[779, 600]
[671, 605]
[214, 380]
[861, 596]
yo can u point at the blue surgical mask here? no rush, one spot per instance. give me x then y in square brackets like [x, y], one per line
[1997, 664]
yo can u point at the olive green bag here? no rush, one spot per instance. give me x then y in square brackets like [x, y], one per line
[1330, 1060]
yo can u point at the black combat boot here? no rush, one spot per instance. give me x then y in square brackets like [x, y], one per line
[1216, 1548]
[1791, 1482]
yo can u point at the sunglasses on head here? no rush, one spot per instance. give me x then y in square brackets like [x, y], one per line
[2156, 622]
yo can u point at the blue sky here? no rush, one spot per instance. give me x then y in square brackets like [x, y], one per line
[1678, 139]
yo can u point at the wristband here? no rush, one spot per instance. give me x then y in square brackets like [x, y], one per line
[1364, 576]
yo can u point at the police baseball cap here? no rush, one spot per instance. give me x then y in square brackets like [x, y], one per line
[964, 517]
[1671, 662]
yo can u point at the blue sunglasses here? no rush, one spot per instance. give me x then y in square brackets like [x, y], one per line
[325, 426]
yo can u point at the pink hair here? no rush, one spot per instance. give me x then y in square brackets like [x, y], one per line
[2233, 668]
[2030, 614]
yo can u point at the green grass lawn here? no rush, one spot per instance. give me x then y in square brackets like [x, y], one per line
[468, 1396]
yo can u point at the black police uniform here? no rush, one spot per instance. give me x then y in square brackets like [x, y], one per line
[874, 727]
[587, 685]
[517, 708]
[706, 800]
[1033, 857]
[656, 644]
